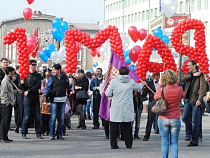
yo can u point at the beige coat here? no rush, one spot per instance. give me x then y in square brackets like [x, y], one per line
[7, 92]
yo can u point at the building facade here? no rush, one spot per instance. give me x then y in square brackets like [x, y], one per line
[44, 24]
[148, 15]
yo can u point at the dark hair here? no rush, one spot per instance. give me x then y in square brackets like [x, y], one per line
[32, 61]
[124, 71]
[4, 59]
[17, 67]
[99, 69]
[57, 66]
[81, 71]
[9, 69]
[155, 74]
[88, 74]
[194, 63]
[49, 70]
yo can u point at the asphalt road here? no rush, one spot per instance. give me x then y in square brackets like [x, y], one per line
[92, 144]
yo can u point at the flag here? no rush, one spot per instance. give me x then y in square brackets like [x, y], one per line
[113, 70]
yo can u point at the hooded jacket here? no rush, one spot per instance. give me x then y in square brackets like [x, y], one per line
[121, 91]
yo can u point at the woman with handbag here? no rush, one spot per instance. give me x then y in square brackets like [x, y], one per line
[169, 123]
[81, 88]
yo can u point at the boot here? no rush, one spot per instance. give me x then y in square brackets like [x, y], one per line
[83, 124]
[79, 125]
[85, 116]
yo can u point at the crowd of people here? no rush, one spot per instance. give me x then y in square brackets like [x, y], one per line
[82, 95]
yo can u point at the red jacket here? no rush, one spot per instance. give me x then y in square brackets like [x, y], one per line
[173, 94]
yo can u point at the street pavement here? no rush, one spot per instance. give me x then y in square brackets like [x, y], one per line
[91, 143]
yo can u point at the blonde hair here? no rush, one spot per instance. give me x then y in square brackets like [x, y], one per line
[169, 76]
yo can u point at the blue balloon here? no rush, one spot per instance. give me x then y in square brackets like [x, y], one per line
[64, 26]
[60, 38]
[96, 64]
[154, 49]
[158, 32]
[127, 59]
[126, 53]
[49, 49]
[56, 32]
[165, 39]
[51, 45]
[43, 56]
[133, 67]
[56, 22]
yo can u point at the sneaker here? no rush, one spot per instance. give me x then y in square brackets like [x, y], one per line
[24, 137]
[187, 139]
[52, 138]
[136, 137]
[89, 118]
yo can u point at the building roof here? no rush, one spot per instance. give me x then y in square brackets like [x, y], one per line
[84, 26]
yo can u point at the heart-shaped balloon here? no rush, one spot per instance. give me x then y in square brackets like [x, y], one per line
[27, 13]
[133, 54]
[30, 1]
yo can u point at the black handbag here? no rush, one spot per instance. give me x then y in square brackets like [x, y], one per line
[160, 106]
[82, 95]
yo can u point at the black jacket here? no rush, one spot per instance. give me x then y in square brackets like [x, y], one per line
[2, 74]
[82, 82]
[32, 84]
[151, 85]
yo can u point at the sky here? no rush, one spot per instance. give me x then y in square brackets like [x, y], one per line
[75, 11]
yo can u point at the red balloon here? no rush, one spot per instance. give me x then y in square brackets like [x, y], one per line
[31, 46]
[97, 51]
[133, 54]
[133, 32]
[93, 53]
[142, 34]
[32, 38]
[27, 13]
[30, 1]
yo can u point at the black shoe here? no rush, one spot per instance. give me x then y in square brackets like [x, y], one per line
[4, 141]
[187, 139]
[60, 137]
[69, 127]
[145, 139]
[95, 127]
[192, 144]
[136, 137]
[89, 118]
[115, 147]
[83, 127]
[52, 138]
[17, 130]
[85, 117]
[156, 132]
[79, 126]
[9, 140]
[39, 137]
[107, 137]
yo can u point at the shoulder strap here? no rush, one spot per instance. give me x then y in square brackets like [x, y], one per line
[162, 94]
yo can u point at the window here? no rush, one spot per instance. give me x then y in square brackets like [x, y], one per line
[119, 21]
[129, 3]
[143, 1]
[108, 8]
[122, 20]
[125, 20]
[135, 19]
[113, 7]
[206, 25]
[79, 55]
[136, 2]
[143, 15]
[116, 22]
[139, 1]
[139, 17]
[131, 18]
[110, 21]
[132, 3]
[155, 12]
[199, 4]
[120, 5]
[125, 3]
[192, 5]
[151, 14]
[186, 6]
[147, 15]
[180, 7]
[113, 21]
[117, 6]
[205, 4]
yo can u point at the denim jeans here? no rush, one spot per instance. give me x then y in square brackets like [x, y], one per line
[190, 118]
[57, 110]
[169, 131]
[34, 106]
[137, 119]
[86, 108]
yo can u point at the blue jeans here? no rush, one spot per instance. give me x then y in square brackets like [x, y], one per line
[86, 108]
[190, 118]
[57, 110]
[34, 106]
[137, 119]
[169, 131]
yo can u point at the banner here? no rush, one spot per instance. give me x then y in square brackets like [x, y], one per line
[113, 70]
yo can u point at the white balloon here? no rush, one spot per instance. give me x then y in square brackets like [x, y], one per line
[125, 40]
[56, 57]
[169, 7]
[102, 24]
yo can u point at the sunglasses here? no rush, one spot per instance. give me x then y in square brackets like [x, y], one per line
[33, 64]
